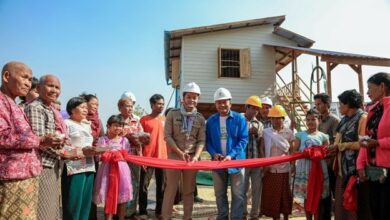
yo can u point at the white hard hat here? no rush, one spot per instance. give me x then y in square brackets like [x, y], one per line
[191, 87]
[129, 95]
[222, 94]
[266, 101]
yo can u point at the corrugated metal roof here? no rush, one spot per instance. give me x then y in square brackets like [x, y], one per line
[336, 57]
[299, 39]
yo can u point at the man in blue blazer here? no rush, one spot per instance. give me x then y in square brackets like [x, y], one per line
[226, 139]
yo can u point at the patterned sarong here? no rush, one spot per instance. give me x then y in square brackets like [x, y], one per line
[276, 197]
[49, 193]
[19, 199]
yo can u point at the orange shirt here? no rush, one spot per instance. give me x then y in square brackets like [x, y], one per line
[155, 127]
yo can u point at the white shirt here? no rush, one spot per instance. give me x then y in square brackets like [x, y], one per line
[222, 125]
[80, 135]
[277, 143]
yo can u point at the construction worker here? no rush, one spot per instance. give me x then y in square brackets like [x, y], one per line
[277, 141]
[253, 182]
[266, 105]
[226, 139]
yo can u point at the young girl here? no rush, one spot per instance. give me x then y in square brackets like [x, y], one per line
[117, 142]
[305, 139]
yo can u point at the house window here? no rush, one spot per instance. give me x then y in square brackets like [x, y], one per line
[230, 63]
[234, 63]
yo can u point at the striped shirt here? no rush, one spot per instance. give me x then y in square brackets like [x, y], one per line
[42, 121]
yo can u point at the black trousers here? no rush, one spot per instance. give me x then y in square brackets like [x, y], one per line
[145, 177]
[380, 199]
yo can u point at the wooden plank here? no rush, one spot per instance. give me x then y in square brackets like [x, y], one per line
[293, 119]
[355, 67]
[333, 65]
[285, 55]
[329, 79]
[318, 74]
[356, 61]
[175, 73]
[245, 63]
[219, 72]
[360, 79]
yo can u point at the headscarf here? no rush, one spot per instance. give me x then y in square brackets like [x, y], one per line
[96, 125]
[60, 125]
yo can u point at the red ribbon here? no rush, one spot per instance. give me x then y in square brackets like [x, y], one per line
[211, 165]
[113, 157]
[350, 195]
[316, 178]
[314, 186]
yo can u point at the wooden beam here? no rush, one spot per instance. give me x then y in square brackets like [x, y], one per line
[329, 79]
[355, 67]
[281, 59]
[285, 55]
[356, 61]
[293, 68]
[333, 65]
[175, 48]
[318, 75]
[360, 78]
[282, 52]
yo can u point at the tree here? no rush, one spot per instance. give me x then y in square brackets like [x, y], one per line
[139, 111]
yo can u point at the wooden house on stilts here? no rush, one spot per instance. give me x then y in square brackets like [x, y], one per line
[246, 57]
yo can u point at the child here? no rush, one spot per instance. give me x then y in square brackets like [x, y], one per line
[117, 142]
[305, 139]
[277, 141]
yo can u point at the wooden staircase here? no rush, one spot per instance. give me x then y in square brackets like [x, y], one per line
[296, 104]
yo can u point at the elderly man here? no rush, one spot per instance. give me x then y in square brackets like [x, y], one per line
[42, 118]
[226, 139]
[19, 160]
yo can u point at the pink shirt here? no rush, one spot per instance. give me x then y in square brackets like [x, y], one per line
[382, 155]
[19, 157]
[132, 125]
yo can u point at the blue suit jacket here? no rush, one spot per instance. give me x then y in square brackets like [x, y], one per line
[237, 137]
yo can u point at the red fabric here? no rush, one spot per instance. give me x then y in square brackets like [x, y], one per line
[59, 122]
[350, 195]
[211, 165]
[96, 126]
[316, 178]
[113, 157]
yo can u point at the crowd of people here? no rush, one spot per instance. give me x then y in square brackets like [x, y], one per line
[57, 164]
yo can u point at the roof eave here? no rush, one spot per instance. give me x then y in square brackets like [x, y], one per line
[301, 41]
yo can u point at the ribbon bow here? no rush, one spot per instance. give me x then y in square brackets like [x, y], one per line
[316, 177]
[113, 157]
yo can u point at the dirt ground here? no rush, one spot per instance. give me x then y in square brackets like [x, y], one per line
[205, 210]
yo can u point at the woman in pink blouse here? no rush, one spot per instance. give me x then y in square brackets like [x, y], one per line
[373, 162]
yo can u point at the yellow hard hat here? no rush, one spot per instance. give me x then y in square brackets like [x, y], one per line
[254, 100]
[277, 111]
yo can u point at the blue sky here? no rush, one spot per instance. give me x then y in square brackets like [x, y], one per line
[108, 47]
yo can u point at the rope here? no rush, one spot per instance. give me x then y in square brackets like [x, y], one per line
[312, 80]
